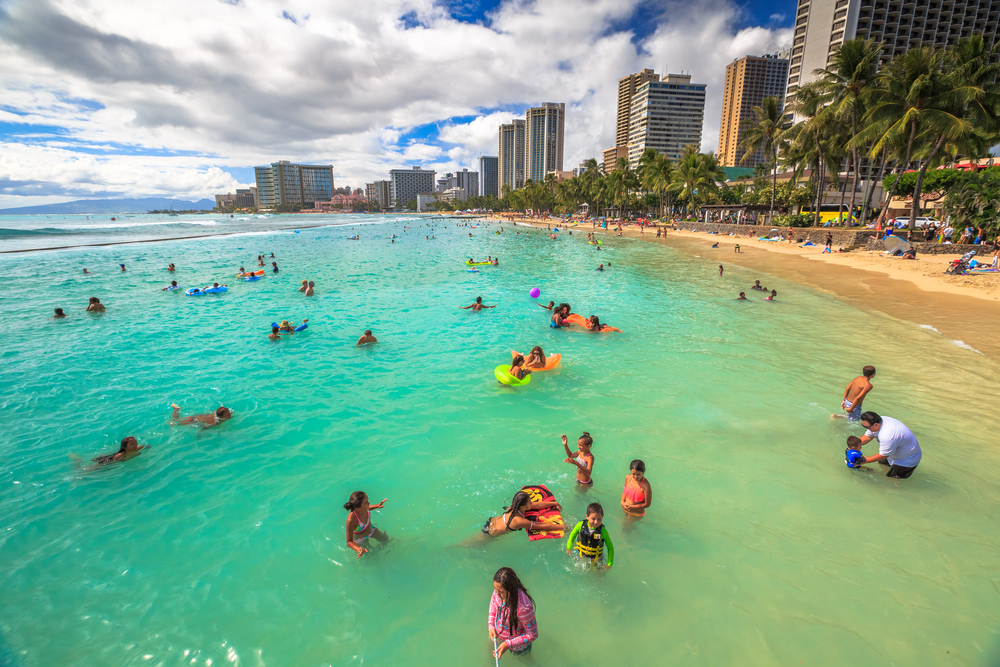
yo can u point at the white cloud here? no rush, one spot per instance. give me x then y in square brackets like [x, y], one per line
[242, 85]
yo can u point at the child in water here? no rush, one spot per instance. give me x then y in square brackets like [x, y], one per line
[589, 537]
[852, 455]
[582, 459]
[774, 293]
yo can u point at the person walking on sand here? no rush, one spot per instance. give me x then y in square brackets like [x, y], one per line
[737, 248]
[367, 338]
[829, 241]
[854, 394]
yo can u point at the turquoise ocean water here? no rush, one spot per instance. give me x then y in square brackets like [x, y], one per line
[227, 546]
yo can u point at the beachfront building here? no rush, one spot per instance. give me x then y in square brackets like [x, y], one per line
[510, 163]
[611, 156]
[488, 176]
[455, 194]
[544, 129]
[426, 199]
[377, 194]
[283, 183]
[821, 26]
[406, 184]
[627, 88]
[748, 81]
[667, 115]
[465, 179]
[244, 198]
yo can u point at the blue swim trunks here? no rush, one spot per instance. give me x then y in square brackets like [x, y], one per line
[854, 413]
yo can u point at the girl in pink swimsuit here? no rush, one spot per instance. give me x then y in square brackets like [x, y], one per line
[637, 494]
[512, 615]
[359, 522]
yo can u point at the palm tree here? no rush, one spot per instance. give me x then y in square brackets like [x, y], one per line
[898, 105]
[844, 84]
[695, 177]
[811, 132]
[765, 134]
[656, 176]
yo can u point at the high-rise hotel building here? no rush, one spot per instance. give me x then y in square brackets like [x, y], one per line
[748, 81]
[544, 129]
[627, 87]
[488, 176]
[821, 26]
[282, 183]
[511, 156]
[667, 115]
[406, 184]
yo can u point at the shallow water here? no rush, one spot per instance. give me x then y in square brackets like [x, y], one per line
[227, 546]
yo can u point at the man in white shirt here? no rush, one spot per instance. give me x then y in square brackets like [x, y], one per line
[896, 444]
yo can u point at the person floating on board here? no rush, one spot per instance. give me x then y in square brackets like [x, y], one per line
[590, 537]
[512, 519]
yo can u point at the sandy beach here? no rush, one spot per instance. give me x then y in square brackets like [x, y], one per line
[963, 308]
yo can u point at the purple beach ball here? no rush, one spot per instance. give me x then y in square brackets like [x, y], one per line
[535, 292]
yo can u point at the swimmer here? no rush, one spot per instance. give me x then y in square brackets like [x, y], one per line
[123, 267]
[275, 334]
[515, 368]
[260, 260]
[95, 305]
[367, 338]
[855, 393]
[637, 494]
[600, 267]
[496, 262]
[594, 324]
[720, 269]
[774, 293]
[209, 419]
[582, 459]
[86, 272]
[309, 289]
[548, 307]
[173, 285]
[241, 273]
[129, 447]
[305, 284]
[535, 359]
[852, 455]
[290, 326]
[512, 519]
[59, 313]
[272, 255]
[359, 522]
[558, 318]
[756, 285]
[590, 537]
[743, 296]
[477, 306]
[170, 267]
[275, 265]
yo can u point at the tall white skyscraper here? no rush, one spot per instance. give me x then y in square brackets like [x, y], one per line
[667, 115]
[544, 129]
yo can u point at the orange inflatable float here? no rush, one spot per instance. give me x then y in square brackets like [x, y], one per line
[551, 361]
[582, 321]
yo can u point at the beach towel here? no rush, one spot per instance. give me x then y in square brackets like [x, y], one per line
[540, 494]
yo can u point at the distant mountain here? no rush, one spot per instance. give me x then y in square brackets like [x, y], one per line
[111, 206]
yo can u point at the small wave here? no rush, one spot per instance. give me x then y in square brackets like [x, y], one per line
[965, 346]
[927, 326]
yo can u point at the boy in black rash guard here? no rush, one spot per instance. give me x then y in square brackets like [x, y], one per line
[589, 537]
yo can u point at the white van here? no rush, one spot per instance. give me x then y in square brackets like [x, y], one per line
[900, 223]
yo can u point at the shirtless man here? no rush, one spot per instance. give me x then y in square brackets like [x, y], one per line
[548, 307]
[95, 305]
[477, 306]
[310, 291]
[855, 394]
[367, 338]
[209, 419]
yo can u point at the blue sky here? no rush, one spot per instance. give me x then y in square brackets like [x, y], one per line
[122, 99]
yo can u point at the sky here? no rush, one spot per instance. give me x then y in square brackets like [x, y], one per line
[117, 98]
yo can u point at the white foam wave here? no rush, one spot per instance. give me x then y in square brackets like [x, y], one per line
[927, 326]
[965, 346]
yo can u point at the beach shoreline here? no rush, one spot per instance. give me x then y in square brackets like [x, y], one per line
[917, 291]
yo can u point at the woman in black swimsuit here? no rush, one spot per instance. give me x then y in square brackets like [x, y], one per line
[513, 520]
